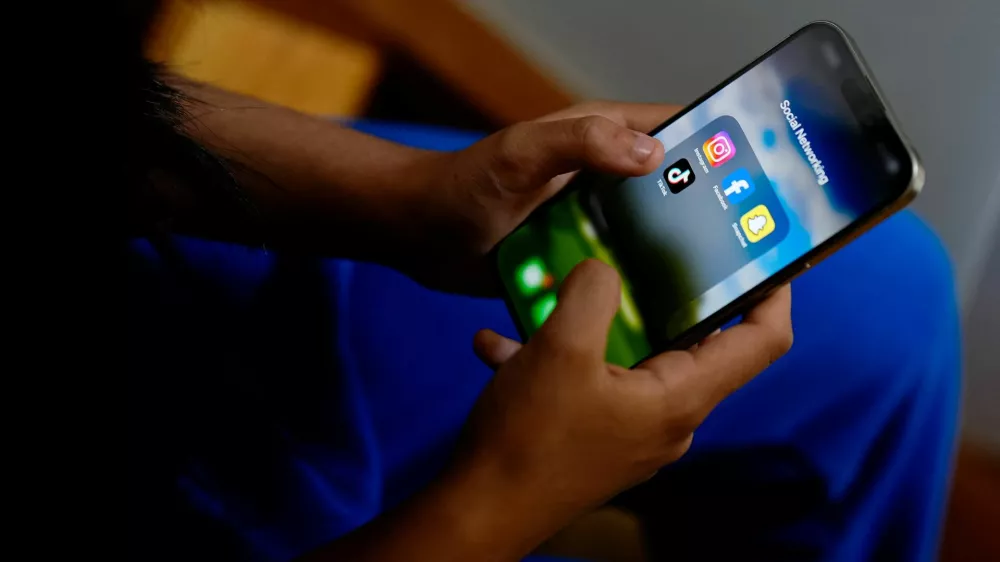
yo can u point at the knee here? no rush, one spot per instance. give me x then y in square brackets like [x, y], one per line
[920, 293]
[884, 308]
[898, 274]
[917, 259]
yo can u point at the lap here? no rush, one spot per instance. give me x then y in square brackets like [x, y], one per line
[841, 449]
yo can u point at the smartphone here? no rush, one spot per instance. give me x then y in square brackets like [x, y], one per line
[783, 163]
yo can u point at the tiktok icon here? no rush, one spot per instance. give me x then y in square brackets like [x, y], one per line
[679, 175]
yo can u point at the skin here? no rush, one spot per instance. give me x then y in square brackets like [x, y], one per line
[557, 431]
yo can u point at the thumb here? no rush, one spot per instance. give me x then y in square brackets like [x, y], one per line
[588, 301]
[494, 349]
[527, 155]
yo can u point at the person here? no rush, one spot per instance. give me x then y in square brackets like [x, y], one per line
[285, 405]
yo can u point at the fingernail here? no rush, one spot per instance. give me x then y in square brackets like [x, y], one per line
[642, 148]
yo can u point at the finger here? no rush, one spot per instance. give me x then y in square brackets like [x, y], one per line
[722, 363]
[731, 359]
[560, 181]
[705, 339]
[587, 303]
[527, 155]
[494, 349]
[642, 117]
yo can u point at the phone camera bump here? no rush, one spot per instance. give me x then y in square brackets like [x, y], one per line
[890, 162]
[831, 55]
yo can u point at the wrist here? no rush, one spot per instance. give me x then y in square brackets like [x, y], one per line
[494, 513]
[438, 210]
[437, 226]
[423, 210]
[469, 513]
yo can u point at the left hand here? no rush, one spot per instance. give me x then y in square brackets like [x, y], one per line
[483, 192]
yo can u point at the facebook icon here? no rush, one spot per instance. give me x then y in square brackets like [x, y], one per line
[737, 186]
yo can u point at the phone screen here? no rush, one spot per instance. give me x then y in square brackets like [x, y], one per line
[760, 172]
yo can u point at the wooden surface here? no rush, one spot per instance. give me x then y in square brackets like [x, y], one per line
[254, 50]
[324, 56]
[972, 526]
[469, 55]
[449, 42]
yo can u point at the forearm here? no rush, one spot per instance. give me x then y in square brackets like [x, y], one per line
[466, 515]
[309, 184]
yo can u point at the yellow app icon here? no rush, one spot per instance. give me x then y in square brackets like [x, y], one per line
[757, 223]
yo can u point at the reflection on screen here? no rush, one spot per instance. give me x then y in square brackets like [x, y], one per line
[758, 174]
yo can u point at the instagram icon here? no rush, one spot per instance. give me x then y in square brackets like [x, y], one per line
[719, 149]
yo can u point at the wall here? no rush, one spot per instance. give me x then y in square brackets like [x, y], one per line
[938, 63]
[982, 412]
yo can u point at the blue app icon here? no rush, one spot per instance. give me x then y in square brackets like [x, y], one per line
[737, 186]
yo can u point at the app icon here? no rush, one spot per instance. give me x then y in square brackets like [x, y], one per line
[737, 186]
[719, 149]
[542, 308]
[757, 223]
[679, 175]
[531, 276]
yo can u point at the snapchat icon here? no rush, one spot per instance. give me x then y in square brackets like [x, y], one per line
[757, 223]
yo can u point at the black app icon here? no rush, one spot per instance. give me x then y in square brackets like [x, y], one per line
[679, 175]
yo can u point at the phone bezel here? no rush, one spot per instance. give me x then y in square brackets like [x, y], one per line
[747, 300]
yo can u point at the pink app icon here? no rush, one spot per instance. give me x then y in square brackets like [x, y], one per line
[719, 149]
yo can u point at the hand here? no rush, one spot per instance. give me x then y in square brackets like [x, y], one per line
[558, 430]
[486, 190]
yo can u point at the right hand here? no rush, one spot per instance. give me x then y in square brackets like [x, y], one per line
[480, 194]
[559, 430]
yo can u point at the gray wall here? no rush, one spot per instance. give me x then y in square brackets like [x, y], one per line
[937, 61]
[982, 334]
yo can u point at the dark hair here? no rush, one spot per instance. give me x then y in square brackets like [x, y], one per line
[164, 161]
